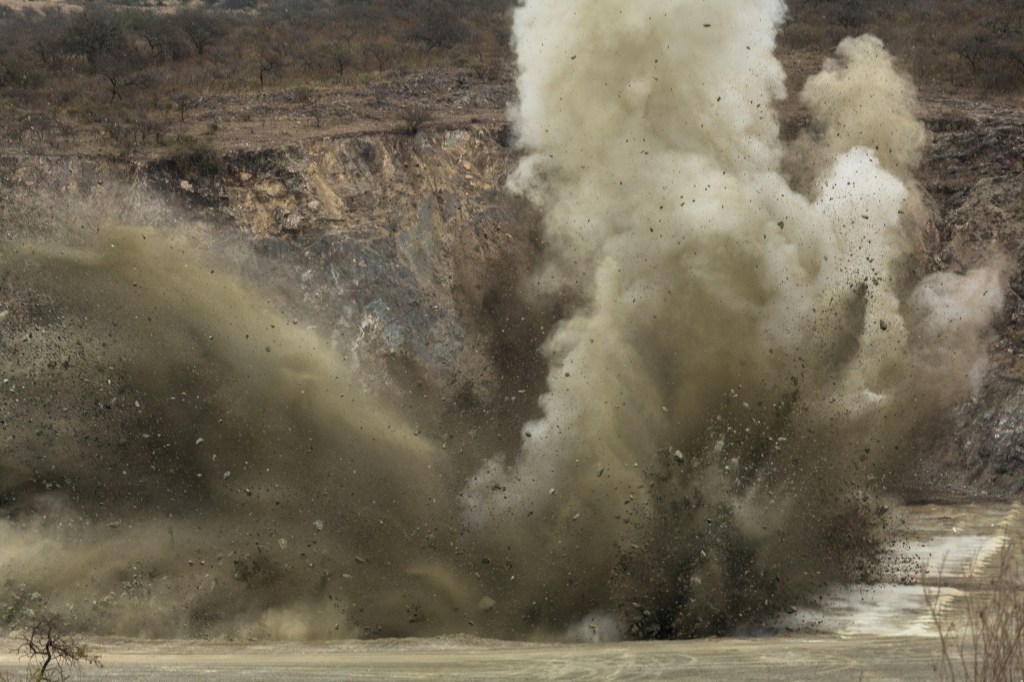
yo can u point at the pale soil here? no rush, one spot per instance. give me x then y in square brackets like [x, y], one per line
[39, 5]
[64, 6]
[782, 658]
[881, 632]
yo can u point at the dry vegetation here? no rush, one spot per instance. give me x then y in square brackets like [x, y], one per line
[946, 45]
[53, 653]
[135, 75]
[986, 643]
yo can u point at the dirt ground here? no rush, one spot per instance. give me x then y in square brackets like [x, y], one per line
[887, 636]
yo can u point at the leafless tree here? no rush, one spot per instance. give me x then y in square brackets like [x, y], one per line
[271, 60]
[184, 101]
[122, 69]
[53, 652]
[440, 26]
[202, 28]
[93, 33]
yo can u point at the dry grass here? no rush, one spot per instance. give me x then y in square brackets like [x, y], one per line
[986, 641]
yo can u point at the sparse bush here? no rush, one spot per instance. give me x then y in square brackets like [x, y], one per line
[440, 26]
[270, 62]
[986, 643]
[52, 651]
[341, 58]
[414, 117]
[194, 159]
[94, 33]
[92, 65]
[182, 102]
[381, 54]
[945, 44]
[202, 28]
[162, 34]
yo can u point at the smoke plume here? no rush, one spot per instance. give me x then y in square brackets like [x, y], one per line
[749, 347]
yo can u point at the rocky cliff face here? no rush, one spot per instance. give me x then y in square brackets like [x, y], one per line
[407, 251]
[403, 251]
[396, 243]
[975, 173]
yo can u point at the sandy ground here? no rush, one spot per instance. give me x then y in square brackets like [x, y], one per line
[881, 632]
[775, 658]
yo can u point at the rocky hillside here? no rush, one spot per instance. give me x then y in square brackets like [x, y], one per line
[975, 173]
[404, 248]
[396, 241]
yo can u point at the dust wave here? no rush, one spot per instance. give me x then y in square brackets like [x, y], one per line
[722, 408]
[189, 459]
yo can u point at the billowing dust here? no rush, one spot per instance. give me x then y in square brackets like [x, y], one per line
[168, 437]
[722, 408]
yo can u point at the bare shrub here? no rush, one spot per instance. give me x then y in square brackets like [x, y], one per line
[985, 643]
[52, 651]
[90, 65]
[439, 25]
[202, 29]
[270, 61]
[414, 117]
[94, 32]
[194, 159]
[381, 54]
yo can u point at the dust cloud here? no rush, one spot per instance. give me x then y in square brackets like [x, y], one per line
[188, 459]
[722, 408]
[747, 357]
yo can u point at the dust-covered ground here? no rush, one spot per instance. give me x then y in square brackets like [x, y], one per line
[797, 658]
[878, 632]
[665, 382]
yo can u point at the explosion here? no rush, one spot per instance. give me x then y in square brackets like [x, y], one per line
[750, 344]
